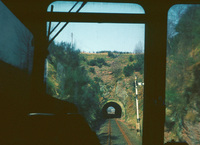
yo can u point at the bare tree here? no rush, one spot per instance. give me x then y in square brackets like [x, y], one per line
[174, 16]
[116, 68]
[139, 48]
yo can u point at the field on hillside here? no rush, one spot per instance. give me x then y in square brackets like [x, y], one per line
[110, 72]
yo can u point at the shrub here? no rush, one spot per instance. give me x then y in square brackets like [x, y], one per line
[51, 89]
[131, 58]
[92, 62]
[190, 116]
[110, 54]
[139, 65]
[99, 65]
[128, 70]
[82, 58]
[116, 69]
[92, 70]
[98, 79]
[97, 62]
[75, 85]
[101, 61]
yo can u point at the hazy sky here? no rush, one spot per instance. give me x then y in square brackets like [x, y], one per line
[91, 37]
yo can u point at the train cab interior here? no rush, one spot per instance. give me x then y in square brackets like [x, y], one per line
[23, 91]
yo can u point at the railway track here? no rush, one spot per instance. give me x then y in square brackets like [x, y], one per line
[109, 133]
[116, 134]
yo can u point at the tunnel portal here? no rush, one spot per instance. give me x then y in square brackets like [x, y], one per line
[117, 113]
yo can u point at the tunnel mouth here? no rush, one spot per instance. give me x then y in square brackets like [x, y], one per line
[111, 110]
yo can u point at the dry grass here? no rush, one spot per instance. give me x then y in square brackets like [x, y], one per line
[190, 116]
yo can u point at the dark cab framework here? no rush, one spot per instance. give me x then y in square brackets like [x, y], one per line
[34, 15]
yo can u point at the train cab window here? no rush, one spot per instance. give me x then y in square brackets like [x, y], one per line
[97, 7]
[99, 63]
[182, 75]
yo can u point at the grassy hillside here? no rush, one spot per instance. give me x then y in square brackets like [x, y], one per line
[110, 72]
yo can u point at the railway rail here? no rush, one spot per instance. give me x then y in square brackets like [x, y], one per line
[109, 133]
[116, 133]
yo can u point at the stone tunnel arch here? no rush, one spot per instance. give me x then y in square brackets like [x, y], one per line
[118, 106]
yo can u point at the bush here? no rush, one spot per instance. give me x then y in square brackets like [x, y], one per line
[82, 58]
[101, 61]
[190, 116]
[139, 65]
[96, 79]
[131, 58]
[92, 62]
[97, 62]
[99, 65]
[51, 89]
[110, 54]
[75, 85]
[92, 70]
[128, 70]
[116, 69]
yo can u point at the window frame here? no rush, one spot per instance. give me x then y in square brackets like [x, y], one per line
[154, 70]
[34, 16]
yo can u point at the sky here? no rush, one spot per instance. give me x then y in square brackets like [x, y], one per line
[92, 37]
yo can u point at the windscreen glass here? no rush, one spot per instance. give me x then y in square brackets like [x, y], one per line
[99, 67]
[182, 75]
